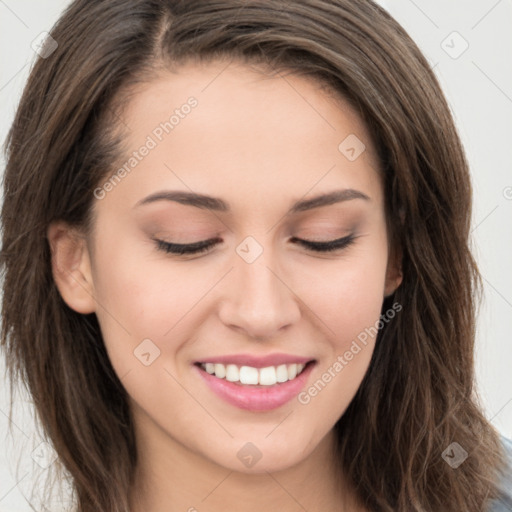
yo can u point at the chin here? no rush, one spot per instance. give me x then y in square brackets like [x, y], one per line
[260, 457]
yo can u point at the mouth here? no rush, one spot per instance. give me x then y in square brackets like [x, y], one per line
[258, 387]
[251, 376]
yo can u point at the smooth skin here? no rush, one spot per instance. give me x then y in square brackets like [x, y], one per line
[260, 143]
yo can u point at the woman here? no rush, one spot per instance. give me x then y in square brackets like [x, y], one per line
[237, 272]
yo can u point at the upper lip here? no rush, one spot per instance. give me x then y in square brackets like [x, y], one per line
[257, 361]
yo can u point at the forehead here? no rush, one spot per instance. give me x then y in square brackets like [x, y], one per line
[224, 128]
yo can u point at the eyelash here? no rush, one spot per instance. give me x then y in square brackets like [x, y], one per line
[200, 247]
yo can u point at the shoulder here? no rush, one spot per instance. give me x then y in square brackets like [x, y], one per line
[504, 502]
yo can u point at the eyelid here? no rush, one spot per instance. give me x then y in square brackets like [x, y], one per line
[192, 248]
[204, 245]
[328, 245]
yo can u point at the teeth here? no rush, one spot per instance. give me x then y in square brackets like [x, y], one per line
[232, 373]
[220, 371]
[282, 373]
[267, 376]
[248, 375]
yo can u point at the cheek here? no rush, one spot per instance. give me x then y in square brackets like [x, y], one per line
[359, 297]
[347, 295]
[140, 298]
[351, 313]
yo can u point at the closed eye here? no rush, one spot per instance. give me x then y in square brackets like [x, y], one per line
[329, 246]
[195, 248]
[205, 245]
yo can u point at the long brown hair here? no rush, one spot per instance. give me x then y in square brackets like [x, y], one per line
[418, 395]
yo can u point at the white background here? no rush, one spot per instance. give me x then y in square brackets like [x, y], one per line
[478, 85]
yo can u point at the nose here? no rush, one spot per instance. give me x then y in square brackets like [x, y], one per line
[258, 299]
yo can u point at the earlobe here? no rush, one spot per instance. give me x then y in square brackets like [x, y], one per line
[394, 274]
[392, 284]
[71, 267]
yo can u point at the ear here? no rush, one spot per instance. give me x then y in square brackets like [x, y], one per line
[71, 267]
[394, 275]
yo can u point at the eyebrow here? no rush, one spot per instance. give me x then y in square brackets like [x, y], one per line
[219, 205]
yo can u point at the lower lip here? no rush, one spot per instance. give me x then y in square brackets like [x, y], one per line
[257, 398]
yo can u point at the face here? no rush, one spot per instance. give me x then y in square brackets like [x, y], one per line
[208, 344]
